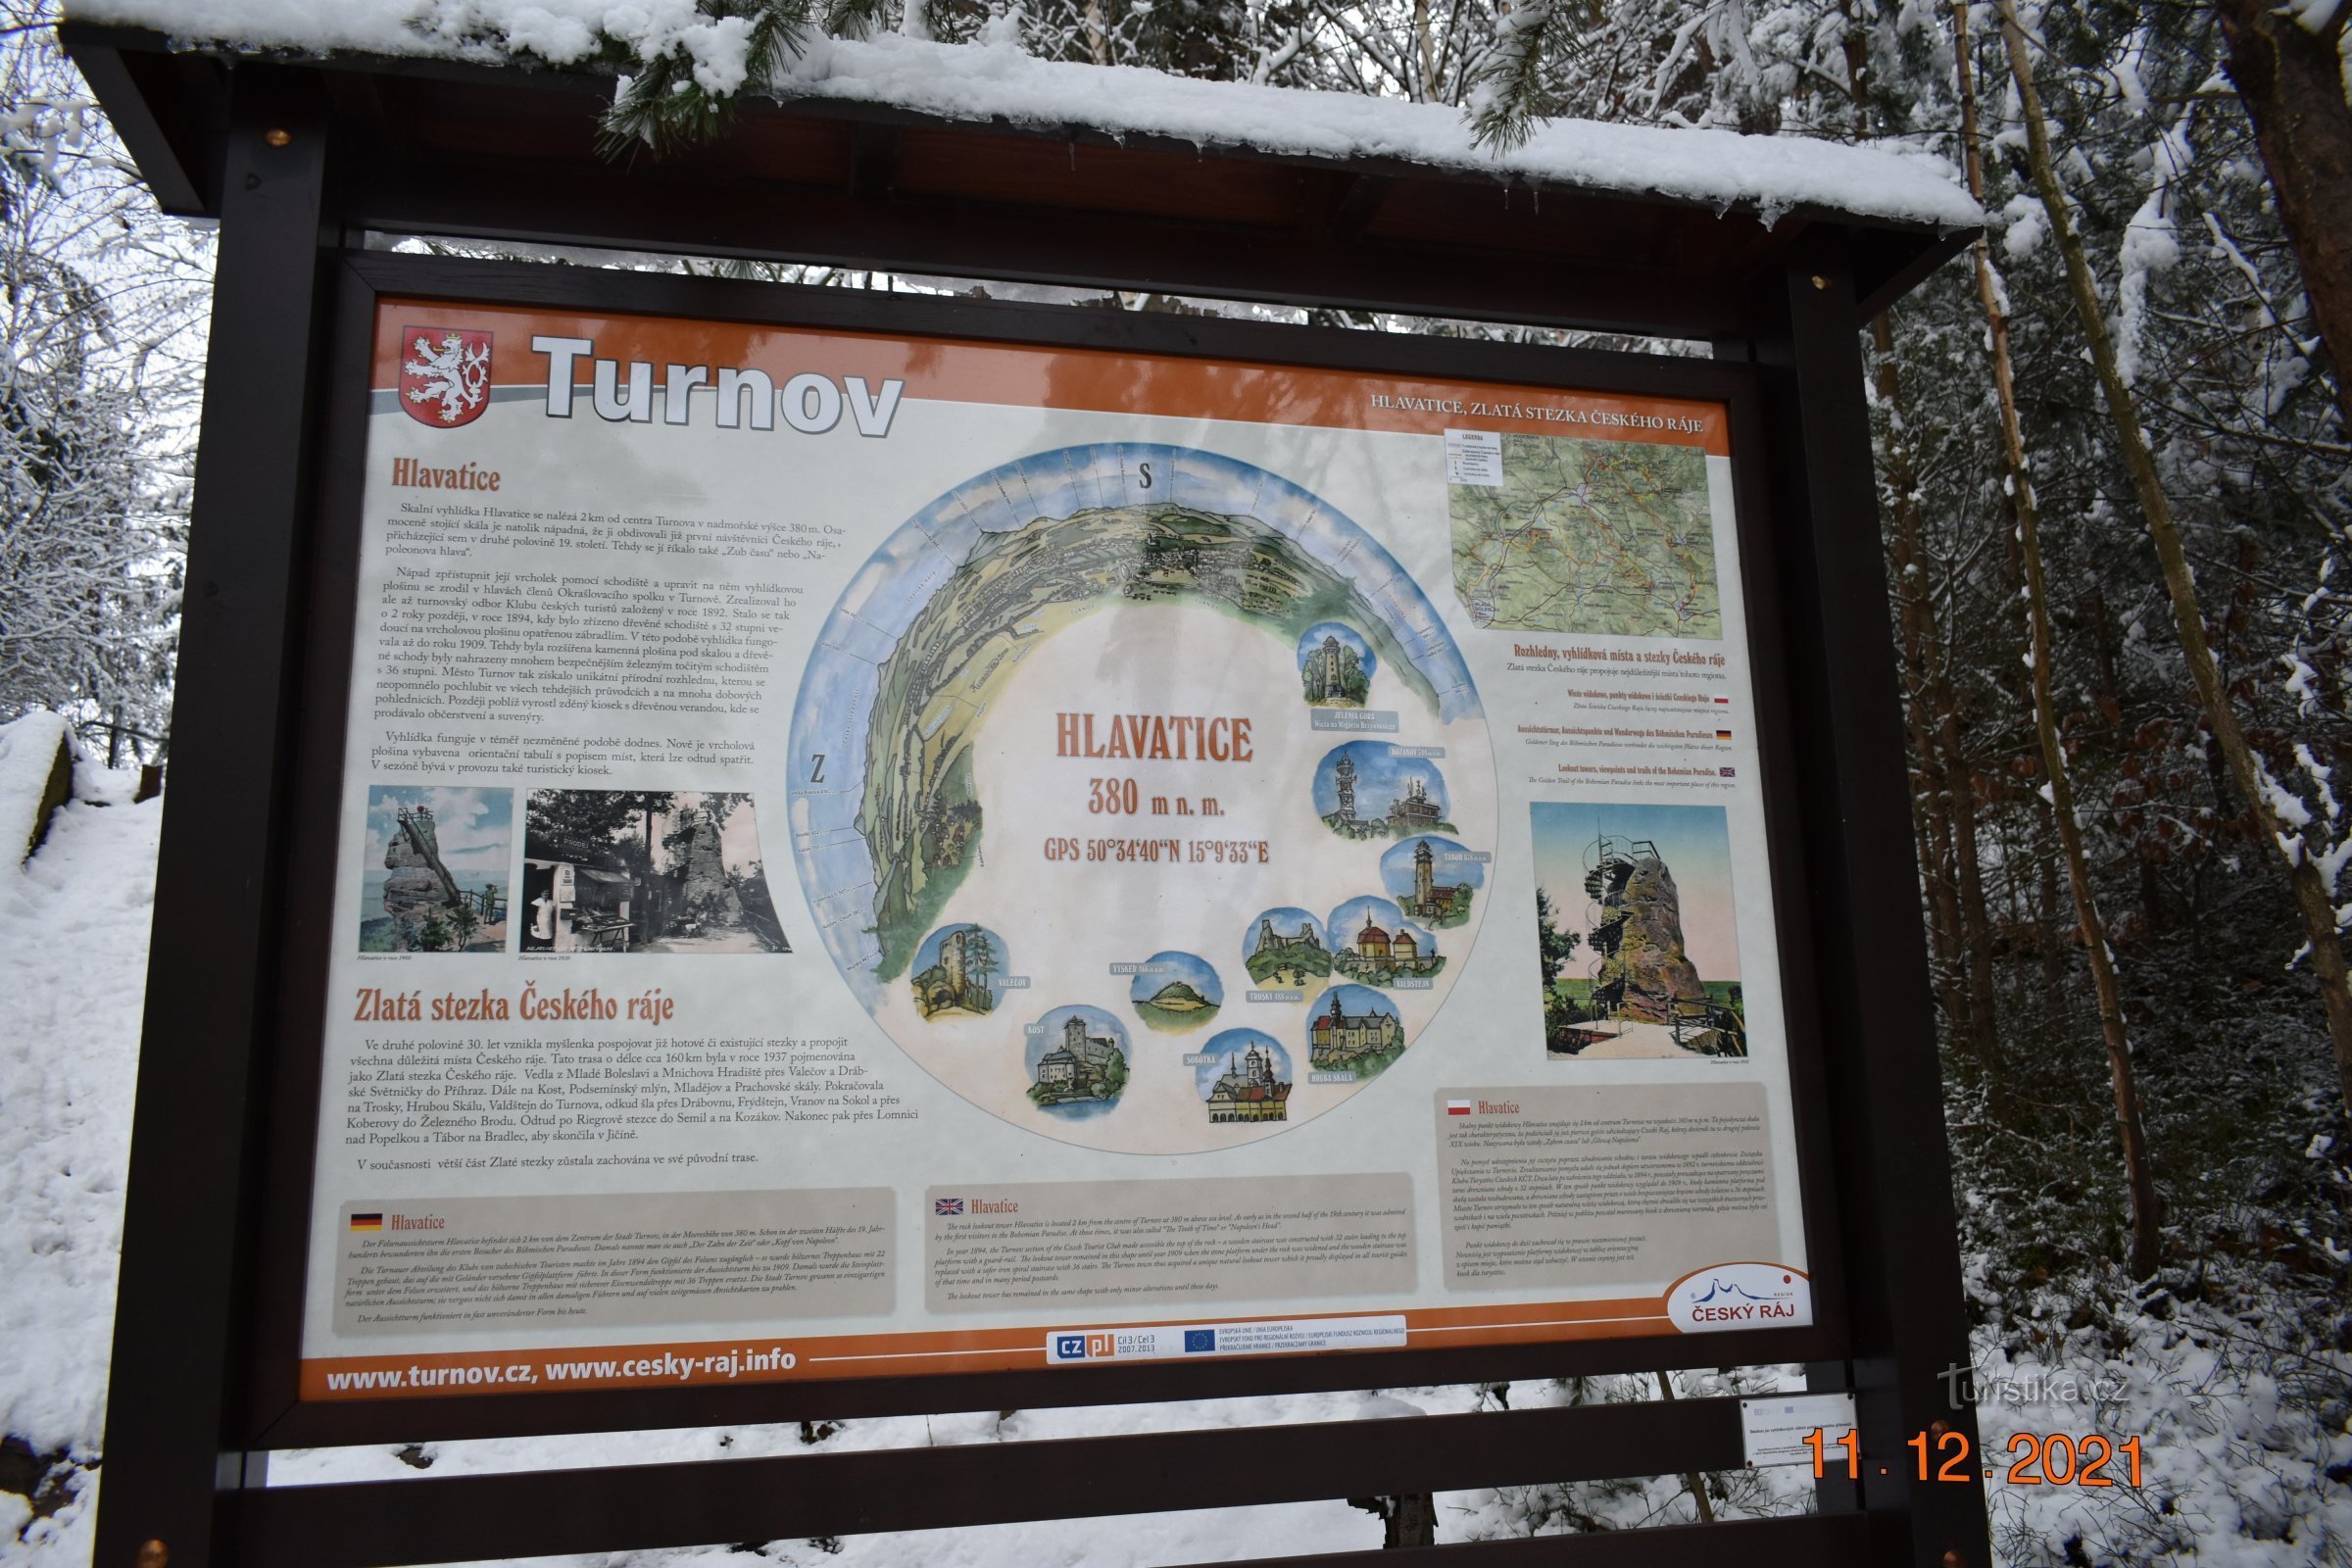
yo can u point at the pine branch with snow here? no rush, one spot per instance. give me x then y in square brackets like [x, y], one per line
[685, 83]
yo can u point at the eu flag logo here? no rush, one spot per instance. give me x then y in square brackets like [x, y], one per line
[1200, 1339]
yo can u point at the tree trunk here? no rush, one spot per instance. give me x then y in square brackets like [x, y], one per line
[2312, 897]
[2291, 81]
[1930, 810]
[1692, 1481]
[2139, 1179]
[1407, 1519]
[1098, 40]
[1976, 925]
[2045, 918]
[1936, 874]
[1976, 1022]
[1955, 886]
[1425, 46]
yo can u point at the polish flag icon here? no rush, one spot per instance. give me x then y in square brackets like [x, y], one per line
[1723, 702]
[1457, 1107]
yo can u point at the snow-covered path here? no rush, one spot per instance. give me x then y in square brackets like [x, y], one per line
[72, 972]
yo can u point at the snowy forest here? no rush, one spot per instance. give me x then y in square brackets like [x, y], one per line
[2114, 452]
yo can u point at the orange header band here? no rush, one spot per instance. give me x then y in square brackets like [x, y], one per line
[960, 370]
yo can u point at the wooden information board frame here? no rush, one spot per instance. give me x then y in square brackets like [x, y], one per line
[300, 162]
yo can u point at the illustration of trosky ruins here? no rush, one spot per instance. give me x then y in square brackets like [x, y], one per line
[1293, 959]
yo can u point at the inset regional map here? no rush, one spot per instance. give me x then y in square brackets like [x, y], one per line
[1602, 537]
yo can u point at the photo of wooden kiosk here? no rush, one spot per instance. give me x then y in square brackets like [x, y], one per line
[579, 908]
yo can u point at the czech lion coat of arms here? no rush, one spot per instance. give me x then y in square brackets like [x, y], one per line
[445, 376]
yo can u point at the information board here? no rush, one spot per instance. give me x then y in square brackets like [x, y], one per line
[870, 855]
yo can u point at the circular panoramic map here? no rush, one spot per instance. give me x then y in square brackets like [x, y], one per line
[1157, 803]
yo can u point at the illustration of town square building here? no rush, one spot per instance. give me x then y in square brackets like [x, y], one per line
[1250, 1088]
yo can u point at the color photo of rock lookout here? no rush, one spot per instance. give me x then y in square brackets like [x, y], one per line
[423, 895]
[1623, 939]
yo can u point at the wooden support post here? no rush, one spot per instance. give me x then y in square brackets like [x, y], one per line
[1893, 1177]
[172, 1406]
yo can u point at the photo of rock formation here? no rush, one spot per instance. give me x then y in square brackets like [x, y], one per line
[1636, 932]
[438, 870]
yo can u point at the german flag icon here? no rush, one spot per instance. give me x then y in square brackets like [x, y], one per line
[366, 1222]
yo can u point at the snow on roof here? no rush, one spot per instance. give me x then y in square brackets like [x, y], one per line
[1722, 168]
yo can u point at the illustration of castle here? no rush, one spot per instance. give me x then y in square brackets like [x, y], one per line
[1083, 1066]
[959, 980]
[1273, 951]
[1249, 1091]
[1446, 904]
[1334, 676]
[1379, 955]
[1270, 941]
[1343, 1039]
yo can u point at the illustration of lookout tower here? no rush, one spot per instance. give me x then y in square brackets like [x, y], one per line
[1343, 778]
[1327, 667]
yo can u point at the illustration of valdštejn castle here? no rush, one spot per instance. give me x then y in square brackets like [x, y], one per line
[959, 980]
[1248, 1090]
[1334, 676]
[1416, 811]
[1082, 1067]
[1378, 955]
[1365, 1042]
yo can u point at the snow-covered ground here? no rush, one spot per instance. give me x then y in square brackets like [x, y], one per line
[73, 974]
